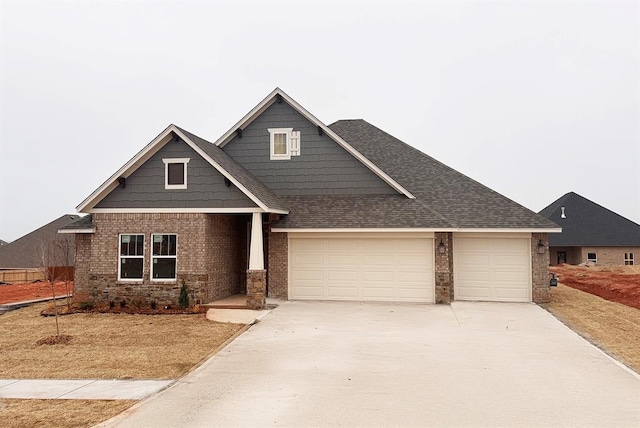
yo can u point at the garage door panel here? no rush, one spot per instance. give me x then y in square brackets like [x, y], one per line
[474, 259]
[342, 291]
[492, 269]
[381, 276]
[304, 292]
[308, 275]
[371, 268]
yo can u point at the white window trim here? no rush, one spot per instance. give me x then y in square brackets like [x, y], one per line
[151, 257]
[166, 162]
[120, 257]
[592, 260]
[272, 133]
[629, 259]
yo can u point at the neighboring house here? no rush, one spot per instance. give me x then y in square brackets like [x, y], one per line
[3, 242]
[285, 205]
[591, 233]
[41, 248]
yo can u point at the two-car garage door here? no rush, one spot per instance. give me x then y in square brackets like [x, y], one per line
[361, 267]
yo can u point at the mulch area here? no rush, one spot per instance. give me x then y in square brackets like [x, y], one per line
[30, 291]
[617, 284]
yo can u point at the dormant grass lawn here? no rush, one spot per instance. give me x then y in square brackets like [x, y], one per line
[613, 327]
[103, 346]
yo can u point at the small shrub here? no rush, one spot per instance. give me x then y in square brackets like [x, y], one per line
[154, 305]
[183, 300]
[123, 303]
[112, 304]
[86, 305]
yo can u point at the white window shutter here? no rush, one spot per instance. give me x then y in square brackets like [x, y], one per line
[294, 143]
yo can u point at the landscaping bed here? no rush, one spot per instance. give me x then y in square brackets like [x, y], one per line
[11, 293]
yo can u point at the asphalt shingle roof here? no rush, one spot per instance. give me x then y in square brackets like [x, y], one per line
[240, 173]
[26, 253]
[448, 196]
[85, 222]
[588, 223]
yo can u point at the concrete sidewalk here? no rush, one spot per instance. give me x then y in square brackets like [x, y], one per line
[81, 389]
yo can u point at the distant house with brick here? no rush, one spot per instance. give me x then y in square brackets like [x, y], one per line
[286, 206]
[590, 233]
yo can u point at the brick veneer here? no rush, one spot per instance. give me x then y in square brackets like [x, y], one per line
[540, 268]
[444, 267]
[211, 257]
[610, 256]
[278, 269]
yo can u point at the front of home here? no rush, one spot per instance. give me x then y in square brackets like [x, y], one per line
[283, 205]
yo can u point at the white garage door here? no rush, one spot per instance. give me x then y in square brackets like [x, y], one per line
[353, 267]
[492, 269]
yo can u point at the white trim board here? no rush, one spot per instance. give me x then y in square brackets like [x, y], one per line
[179, 210]
[369, 230]
[272, 97]
[74, 231]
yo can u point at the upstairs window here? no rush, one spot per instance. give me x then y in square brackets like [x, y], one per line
[284, 143]
[164, 257]
[175, 173]
[628, 259]
[592, 257]
[131, 257]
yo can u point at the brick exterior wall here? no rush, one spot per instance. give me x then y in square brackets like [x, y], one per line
[606, 256]
[278, 269]
[444, 267]
[209, 257]
[540, 269]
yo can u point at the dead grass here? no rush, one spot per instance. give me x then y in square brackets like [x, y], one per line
[613, 327]
[107, 346]
[58, 413]
[102, 346]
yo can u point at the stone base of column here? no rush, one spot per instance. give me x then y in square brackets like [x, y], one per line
[256, 289]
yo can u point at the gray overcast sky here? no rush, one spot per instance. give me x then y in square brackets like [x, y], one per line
[533, 99]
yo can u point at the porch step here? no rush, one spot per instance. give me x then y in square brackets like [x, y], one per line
[224, 306]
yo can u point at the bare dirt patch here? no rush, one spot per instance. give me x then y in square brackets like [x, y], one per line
[618, 284]
[612, 326]
[107, 346]
[31, 291]
[59, 413]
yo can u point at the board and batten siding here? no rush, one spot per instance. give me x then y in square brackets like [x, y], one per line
[323, 167]
[145, 188]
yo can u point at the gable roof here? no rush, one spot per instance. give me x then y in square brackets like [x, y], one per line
[240, 177]
[24, 252]
[3, 242]
[588, 223]
[452, 197]
[278, 93]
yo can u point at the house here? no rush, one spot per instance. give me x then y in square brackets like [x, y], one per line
[286, 206]
[3, 242]
[590, 233]
[42, 248]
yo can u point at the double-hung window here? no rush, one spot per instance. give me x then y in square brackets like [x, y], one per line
[592, 257]
[628, 259]
[131, 257]
[164, 257]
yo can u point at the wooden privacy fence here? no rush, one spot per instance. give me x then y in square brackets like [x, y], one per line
[17, 276]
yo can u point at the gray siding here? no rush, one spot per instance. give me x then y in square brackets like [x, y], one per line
[205, 185]
[323, 167]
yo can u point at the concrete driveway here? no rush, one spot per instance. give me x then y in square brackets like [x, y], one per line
[352, 364]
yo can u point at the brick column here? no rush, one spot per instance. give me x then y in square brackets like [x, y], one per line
[256, 289]
[540, 268]
[444, 267]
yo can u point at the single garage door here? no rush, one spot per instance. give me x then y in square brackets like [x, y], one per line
[492, 268]
[361, 268]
